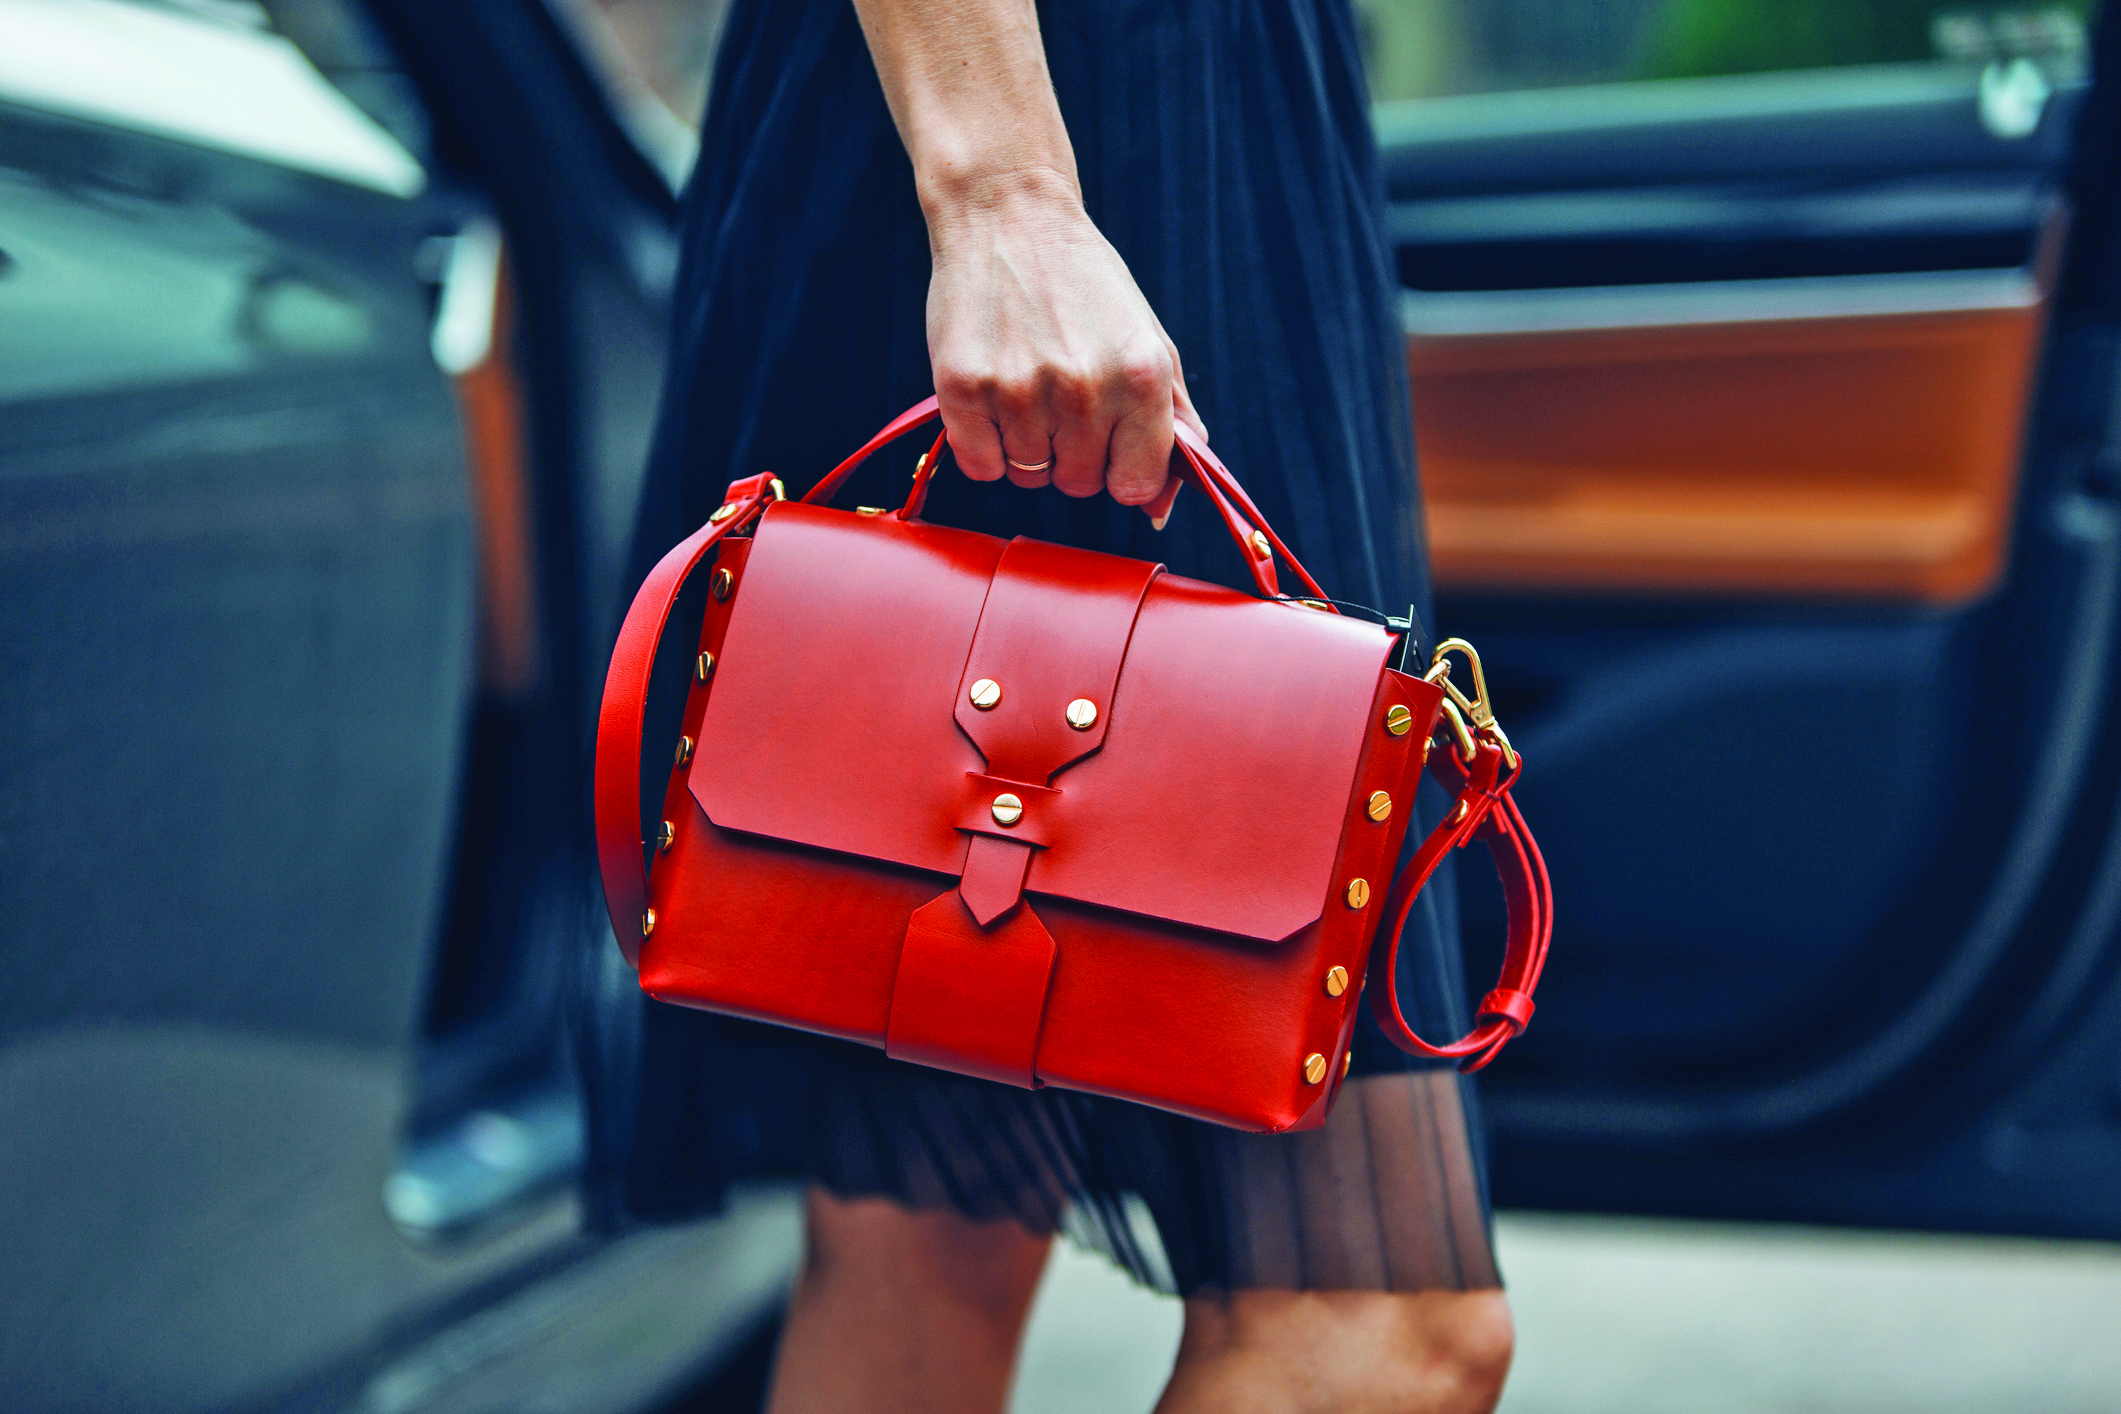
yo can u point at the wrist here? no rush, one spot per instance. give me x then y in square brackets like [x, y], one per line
[957, 195]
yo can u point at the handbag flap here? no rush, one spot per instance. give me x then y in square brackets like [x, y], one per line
[1216, 798]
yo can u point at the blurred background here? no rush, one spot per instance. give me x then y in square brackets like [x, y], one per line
[1763, 357]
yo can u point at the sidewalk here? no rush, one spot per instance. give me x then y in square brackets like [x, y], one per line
[1649, 1317]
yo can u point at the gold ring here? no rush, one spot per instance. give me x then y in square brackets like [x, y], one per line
[1046, 465]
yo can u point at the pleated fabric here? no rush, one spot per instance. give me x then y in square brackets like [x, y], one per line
[1225, 151]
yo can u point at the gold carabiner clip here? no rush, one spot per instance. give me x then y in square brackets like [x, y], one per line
[1477, 713]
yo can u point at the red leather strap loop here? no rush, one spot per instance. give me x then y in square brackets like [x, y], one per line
[1484, 811]
[618, 770]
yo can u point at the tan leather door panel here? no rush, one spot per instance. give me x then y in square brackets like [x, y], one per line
[1859, 441]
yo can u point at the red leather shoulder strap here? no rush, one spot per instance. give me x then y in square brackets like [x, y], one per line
[1483, 811]
[620, 848]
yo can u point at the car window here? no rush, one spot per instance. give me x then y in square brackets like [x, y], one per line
[153, 157]
[1435, 48]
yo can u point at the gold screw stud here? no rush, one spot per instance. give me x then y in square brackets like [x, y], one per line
[666, 837]
[1259, 543]
[704, 668]
[1399, 720]
[1336, 981]
[722, 513]
[1346, 1061]
[1007, 809]
[1082, 714]
[1459, 813]
[648, 923]
[684, 749]
[1380, 806]
[868, 510]
[985, 693]
[723, 582]
[1314, 1067]
[1359, 893]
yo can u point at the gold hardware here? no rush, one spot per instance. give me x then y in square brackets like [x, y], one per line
[1346, 1061]
[1426, 743]
[666, 837]
[1007, 809]
[1359, 893]
[868, 510]
[1380, 806]
[684, 749]
[985, 693]
[722, 513]
[920, 465]
[1399, 720]
[1082, 714]
[1314, 1067]
[1259, 543]
[723, 582]
[1468, 747]
[1458, 813]
[648, 923]
[704, 668]
[1319, 604]
[1336, 981]
[780, 492]
[1477, 712]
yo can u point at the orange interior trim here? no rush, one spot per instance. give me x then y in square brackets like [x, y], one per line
[493, 413]
[1865, 456]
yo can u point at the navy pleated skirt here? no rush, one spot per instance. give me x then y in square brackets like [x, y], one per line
[1225, 151]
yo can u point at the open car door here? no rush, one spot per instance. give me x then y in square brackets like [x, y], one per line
[1766, 426]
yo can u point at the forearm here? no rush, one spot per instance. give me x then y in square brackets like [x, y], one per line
[970, 93]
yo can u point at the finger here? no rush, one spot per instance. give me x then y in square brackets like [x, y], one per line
[1082, 436]
[968, 416]
[1140, 450]
[1026, 429]
[1159, 509]
[1017, 471]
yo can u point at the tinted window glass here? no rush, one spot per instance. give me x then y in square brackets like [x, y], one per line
[1427, 48]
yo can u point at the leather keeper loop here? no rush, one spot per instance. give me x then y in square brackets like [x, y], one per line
[1510, 1003]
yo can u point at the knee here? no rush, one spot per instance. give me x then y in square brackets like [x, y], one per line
[1432, 1352]
[1468, 1347]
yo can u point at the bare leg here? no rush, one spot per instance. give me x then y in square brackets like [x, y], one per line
[899, 1310]
[1341, 1352]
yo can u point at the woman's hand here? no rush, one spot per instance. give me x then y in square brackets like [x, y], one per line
[1045, 351]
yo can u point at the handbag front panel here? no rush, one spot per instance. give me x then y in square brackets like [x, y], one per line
[1229, 744]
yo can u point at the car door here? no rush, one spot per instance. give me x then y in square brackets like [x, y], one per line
[290, 551]
[1762, 365]
[237, 633]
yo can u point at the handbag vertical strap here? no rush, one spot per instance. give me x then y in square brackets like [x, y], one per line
[620, 850]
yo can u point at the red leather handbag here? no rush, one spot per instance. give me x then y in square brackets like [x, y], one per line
[1041, 815]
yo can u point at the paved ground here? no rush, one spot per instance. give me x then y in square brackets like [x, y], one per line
[1648, 1317]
